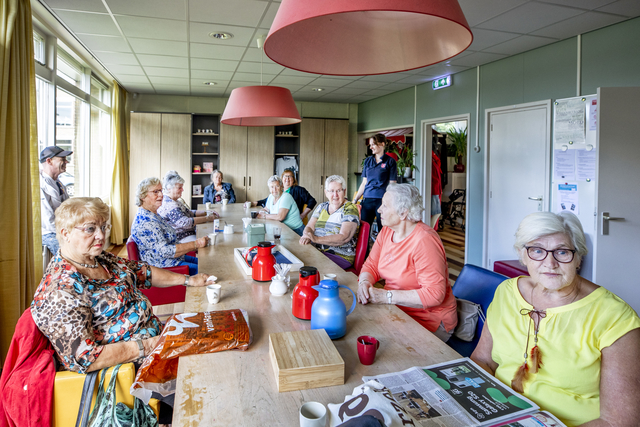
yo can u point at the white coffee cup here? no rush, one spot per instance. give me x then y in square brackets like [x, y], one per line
[313, 414]
[213, 293]
[207, 206]
[247, 205]
[228, 229]
[224, 202]
[212, 239]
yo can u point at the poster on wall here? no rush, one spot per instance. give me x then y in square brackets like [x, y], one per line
[585, 165]
[568, 198]
[593, 114]
[564, 165]
[570, 122]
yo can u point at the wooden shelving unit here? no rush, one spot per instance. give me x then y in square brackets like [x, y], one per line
[205, 148]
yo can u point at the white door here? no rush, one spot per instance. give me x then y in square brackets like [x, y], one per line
[616, 252]
[518, 155]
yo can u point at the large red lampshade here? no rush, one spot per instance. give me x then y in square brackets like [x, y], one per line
[364, 37]
[260, 106]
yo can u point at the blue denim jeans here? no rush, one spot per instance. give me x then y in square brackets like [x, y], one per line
[192, 263]
[50, 241]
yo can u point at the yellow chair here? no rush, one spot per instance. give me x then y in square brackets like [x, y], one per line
[67, 391]
[305, 220]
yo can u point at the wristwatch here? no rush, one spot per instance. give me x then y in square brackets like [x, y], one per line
[140, 348]
[186, 280]
[389, 296]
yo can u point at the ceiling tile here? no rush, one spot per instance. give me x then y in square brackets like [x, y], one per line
[155, 80]
[583, 4]
[529, 17]
[393, 77]
[520, 44]
[415, 80]
[126, 69]
[207, 91]
[211, 75]
[175, 86]
[254, 54]
[80, 5]
[364, 84]
[139, 88]
[396, 86]
[105, 43]
[580, 24]
[153, 28]
[379, 92]
[89, 23]
[167, 72]
[126, 79]
[254, 67]
[116, 58]
[163, 61]
[479, 11]
[220, 84]
[199, 50]
[290, 72]
[253, 77]
[170, 9]
[213, 64]
[327, 82]
[299, 80]
[158, 47]
[267, 21]
[483, 39]
[291, 87]
[242, 36]
[236, 12]
[477, 58]
[628, 8]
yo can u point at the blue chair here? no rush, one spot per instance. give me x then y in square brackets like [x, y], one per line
[478, 285]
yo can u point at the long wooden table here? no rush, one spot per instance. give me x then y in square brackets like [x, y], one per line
[235, 388]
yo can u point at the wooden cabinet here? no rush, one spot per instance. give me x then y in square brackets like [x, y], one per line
[159, 143]
[246, 160]
[324, 150]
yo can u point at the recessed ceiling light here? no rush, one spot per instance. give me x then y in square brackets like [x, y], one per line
[220, 35]
[209, 83]
[318, 89]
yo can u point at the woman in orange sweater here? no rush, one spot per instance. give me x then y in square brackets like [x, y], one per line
[409, 256]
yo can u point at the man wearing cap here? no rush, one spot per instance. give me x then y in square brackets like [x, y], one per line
[52, 192]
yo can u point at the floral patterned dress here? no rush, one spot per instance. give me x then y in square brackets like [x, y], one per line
[156, 239]
[179, 216]
[80, 315]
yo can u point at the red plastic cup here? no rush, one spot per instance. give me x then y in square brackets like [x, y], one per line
[367, 347]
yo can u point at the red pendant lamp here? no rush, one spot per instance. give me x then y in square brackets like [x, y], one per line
[260, 105]
[365, 37]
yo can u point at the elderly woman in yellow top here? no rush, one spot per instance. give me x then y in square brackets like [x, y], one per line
[333, 227]
[568, 344]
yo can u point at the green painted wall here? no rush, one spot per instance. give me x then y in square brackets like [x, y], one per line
[610, 57]
[393, 110]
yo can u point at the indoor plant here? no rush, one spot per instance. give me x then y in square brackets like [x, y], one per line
[458, 146]
[405, 161]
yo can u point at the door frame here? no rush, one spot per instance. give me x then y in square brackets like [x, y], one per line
[425, 165]
[546, 103]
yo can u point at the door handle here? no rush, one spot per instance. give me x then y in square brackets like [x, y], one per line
[537, 199]
[244, 181]
[249, 181]
[605, 222]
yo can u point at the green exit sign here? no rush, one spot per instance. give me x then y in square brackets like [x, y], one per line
[440, 83]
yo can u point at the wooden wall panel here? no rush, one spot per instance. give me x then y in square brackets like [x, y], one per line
[312, 157]
[144, 152]
[336, 149]
[259, 161]
[176, 149]
[233, 158]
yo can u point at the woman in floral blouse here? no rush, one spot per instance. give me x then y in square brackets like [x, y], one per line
[89, 302]
[156, 239]
[176, 213]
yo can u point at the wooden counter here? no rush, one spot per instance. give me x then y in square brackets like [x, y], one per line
[236, 388]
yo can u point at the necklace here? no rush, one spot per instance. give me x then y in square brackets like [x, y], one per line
[79, 263]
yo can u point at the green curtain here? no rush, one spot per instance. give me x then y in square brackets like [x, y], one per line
[120, 177]
[20, 240]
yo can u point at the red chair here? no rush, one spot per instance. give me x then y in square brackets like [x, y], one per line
[160, 296]
[361, 248]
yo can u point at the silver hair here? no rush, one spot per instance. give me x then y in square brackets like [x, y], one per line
[215, 171]
[275, 178]
[171, 179]
[335, 178]
[540, 224]
[406, 199]
[143, 188]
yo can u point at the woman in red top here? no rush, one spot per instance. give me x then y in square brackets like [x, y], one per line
[409, 256]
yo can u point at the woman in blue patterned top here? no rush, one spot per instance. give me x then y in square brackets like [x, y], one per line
[156, 239]
[176, 213]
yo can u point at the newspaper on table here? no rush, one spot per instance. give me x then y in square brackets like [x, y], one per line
[457, 393]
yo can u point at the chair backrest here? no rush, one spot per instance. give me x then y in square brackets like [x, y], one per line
[478, 285]
[361, 246]
[168, 295]
[132, 249]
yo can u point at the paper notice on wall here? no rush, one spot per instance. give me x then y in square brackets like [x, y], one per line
[570, 122]
[585, 165]
[564, 165]
[593, 114]
[568, 198]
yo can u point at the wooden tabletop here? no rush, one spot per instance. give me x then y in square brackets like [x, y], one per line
[235, 388]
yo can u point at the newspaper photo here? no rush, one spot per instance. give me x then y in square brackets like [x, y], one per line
[458, 393]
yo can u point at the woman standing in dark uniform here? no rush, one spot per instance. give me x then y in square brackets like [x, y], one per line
[378, 171]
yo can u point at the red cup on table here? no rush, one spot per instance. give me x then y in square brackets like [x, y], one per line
[367, 347]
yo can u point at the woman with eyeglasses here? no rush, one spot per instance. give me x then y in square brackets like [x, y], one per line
[89, 303]
[156, 239]
[566, 343]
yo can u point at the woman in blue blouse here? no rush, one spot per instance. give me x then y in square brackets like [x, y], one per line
[217, 191]
[280, 206]
[156, 239]
[176, 213]
[378, 172]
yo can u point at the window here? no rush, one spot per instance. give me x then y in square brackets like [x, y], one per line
[38, 48]
[100, 91]
[70, 70]
[100, 156]
[44, 106]
[71, 115]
